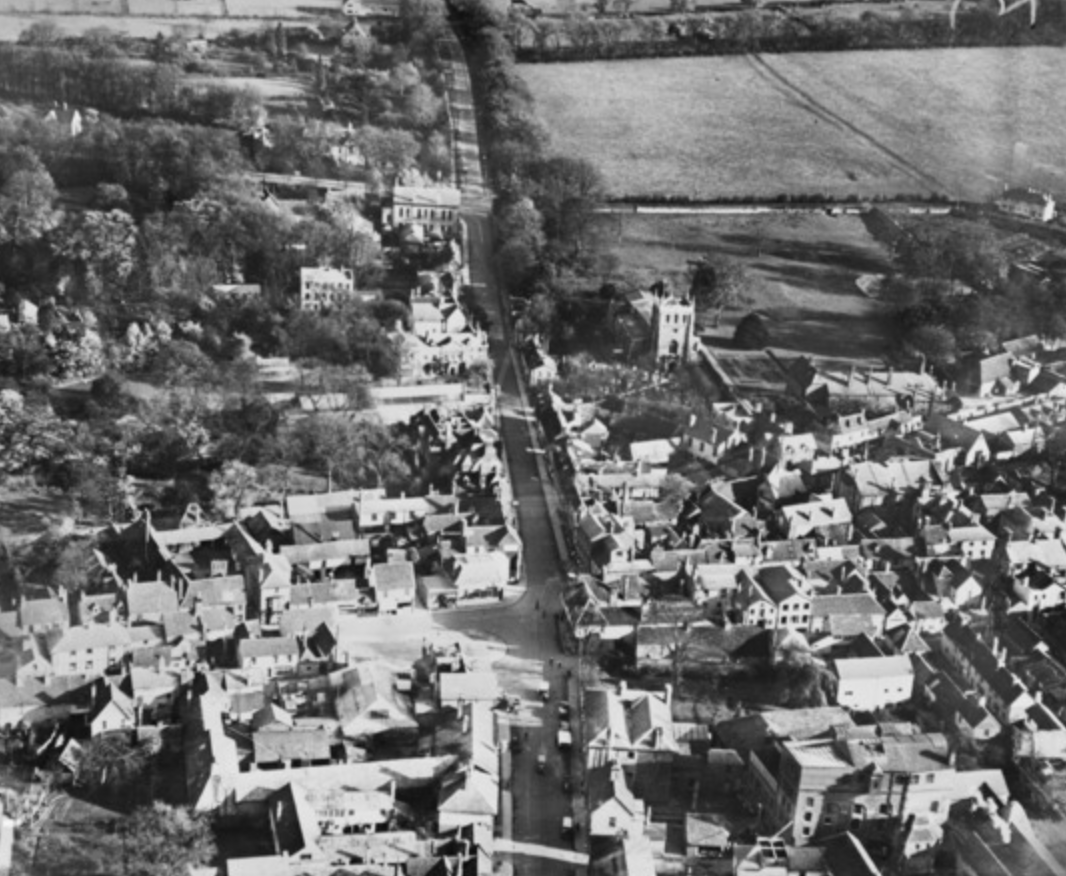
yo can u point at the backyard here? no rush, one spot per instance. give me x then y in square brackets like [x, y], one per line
[802, 270]
[961, 122]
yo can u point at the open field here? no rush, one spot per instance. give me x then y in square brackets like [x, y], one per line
[961, 122]
[803, 269]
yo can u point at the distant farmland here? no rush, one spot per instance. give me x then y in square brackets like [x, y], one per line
[962, 122]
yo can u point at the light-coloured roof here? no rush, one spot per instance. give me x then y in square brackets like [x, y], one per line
[279, 646]
[94, 636]
[857, 668]
[425, 196]
[150, 597]
[387, 577]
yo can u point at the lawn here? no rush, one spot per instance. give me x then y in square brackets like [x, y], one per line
[802, 267]
[962, 122]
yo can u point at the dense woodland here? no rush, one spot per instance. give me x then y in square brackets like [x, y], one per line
[955, 291]
[117, 236]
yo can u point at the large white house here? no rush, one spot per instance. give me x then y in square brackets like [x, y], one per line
[869, 683]
[325, 288]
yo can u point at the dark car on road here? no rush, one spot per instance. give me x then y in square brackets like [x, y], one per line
[516, 741]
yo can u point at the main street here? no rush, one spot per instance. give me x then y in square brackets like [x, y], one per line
[525, 628]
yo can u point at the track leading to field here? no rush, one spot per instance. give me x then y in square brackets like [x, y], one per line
[804, 100]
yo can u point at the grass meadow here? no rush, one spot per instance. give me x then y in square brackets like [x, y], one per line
[961, 122]
[802, 268]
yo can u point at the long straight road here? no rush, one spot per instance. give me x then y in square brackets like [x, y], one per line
[527, 628]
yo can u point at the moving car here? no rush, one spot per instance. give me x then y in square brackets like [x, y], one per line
[542, 762]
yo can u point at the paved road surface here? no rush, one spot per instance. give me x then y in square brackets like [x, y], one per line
[526, 628]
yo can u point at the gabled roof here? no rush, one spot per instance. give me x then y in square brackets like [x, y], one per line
[316, 506]
[424, 196]
[177, 624]
[304, 621]
[321, 552]
[779, 582]
[860, 668]
[150, 597]
[221, 592]
[367, 701]
[93, 636]
[807, 517]
[1047, 552]
[847, 604]
[279, 646]
[282, 746]
[977, 653]
[389, 577]
[607, 784]
[48, 612]
[472, 792]
[886, 479]
[323, 530]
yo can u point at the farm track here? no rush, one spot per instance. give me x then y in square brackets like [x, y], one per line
[804, 100]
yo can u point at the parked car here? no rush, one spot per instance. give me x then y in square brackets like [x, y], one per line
[404, 681]
[567, 826]
[563, 739]
[564, 711]
[542, 762]
[516, 741]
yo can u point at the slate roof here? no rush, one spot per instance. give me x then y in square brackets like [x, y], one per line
[85, 638]
[304, 621]
[606, 784]
[278, 746]
[48, 612]
[323, 593]
[322, 531]
[752, 730]
[951, 702]
[874, 667]
[778, 582]
[977, 653]
[323, 552]
[389, 577]
[847, 604]
[221, 592]
[271, 647]
[150, 597]
[472, 792]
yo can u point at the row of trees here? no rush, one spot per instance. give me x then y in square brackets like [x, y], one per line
[544, 210]
[120, 88]
[582, 37]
